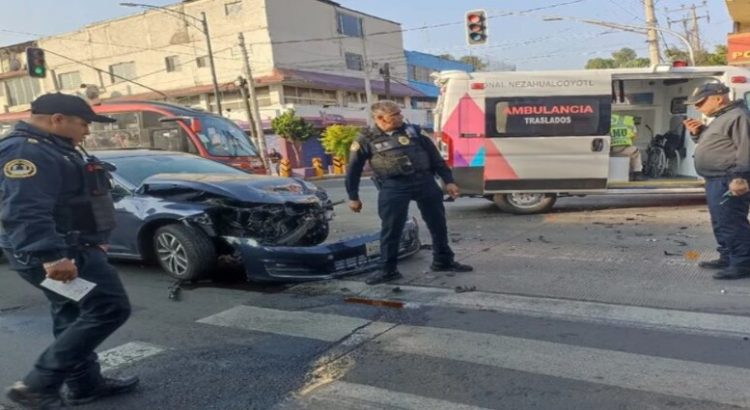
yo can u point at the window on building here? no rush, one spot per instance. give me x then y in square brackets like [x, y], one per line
[354, 98]
[70, 80]
[421, 74]
[22, 90]
[263, 95]
[118, 72]
[202, 62]
[354, 61]
[233, 8]
[172, 63]
[398, 100]
[349, 25]
[309, 96]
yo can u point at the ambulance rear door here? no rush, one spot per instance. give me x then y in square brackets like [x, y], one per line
[547, 131]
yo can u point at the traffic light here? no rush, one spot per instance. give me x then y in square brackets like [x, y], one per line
[35, 62]
[476, 27]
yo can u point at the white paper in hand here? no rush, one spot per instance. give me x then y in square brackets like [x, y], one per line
[76, 289]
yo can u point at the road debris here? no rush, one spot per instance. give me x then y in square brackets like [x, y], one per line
[464, 289]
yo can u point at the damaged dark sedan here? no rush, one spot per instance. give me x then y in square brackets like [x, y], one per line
[188, 213]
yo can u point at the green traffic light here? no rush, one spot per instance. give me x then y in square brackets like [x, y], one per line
[39, 70]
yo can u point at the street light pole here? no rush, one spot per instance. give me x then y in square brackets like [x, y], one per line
[631, 28]
[203, 29]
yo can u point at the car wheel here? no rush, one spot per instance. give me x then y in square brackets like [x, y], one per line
[184, 252]
[524, 203]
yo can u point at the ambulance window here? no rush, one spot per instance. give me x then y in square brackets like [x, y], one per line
[548, 116]
[678, 105]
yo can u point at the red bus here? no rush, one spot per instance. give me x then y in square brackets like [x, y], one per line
[171, 127]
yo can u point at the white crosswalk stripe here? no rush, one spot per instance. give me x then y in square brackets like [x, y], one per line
[127, 354]
[593, 312]
[699, 381]
[347, 396]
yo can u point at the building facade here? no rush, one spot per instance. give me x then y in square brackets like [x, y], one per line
[306, 55]
[738, 42]
[420, 67]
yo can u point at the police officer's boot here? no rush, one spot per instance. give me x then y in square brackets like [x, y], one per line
[22, 394]
[450, 267]
[719, 263]
[108, 387]
[383, 276]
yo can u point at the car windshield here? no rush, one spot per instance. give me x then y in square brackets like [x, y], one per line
[137, 168]
[223, 138]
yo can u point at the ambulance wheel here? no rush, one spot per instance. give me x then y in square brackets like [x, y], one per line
[524, 203]
[184, 252]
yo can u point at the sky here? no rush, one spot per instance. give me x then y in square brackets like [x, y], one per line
[525, 39]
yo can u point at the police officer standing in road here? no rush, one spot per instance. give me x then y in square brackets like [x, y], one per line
[56, 216]
[405, 163]
[722, 157]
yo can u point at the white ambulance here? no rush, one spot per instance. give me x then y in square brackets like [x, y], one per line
[524, 139]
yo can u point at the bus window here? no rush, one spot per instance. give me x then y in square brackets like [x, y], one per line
[168, 136]
[223, 138]
[124, 133]
[548, 116]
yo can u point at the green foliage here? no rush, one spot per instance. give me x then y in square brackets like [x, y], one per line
[627, 57]
[624, 57]
[337, 139]
[475, 61]
[702, 57]
[293, 129]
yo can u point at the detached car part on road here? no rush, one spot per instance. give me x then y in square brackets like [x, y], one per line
[187, 213]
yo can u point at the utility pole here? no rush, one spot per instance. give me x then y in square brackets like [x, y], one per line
[386, 73]
[368, 86]
[217, 93]
[253, 112]
[690, 22]
[653, 39]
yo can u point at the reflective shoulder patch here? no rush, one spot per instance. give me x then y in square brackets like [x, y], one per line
[19, 168]
[355, 146]
[32, 140]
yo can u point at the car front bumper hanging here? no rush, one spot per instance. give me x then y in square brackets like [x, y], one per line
[348, 256]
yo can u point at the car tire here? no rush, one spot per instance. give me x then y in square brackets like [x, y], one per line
[525, 203]
[184, 252]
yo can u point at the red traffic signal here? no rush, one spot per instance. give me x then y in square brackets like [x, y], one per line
[35, 64]
[476, 27]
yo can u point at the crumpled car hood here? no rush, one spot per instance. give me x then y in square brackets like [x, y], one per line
[246, 188]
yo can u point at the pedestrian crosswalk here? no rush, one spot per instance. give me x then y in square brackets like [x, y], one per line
[700, 381]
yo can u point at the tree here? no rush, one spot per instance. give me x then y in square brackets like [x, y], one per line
[624, 57]
[293, 129]
[702, 57]
[475, 61]
[337, 139]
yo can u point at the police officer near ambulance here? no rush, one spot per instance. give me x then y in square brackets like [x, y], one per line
[722, 157]
[404, 163]
[55, 218]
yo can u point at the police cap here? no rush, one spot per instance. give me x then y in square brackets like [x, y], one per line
[704, 91]
[65, 104]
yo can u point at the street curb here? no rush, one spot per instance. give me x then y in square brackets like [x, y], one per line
[325, 177]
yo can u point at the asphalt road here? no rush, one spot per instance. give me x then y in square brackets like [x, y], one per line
[597, 305]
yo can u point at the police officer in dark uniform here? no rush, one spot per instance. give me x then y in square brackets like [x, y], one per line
[404, 163]
[722, 157]
[55, 218]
